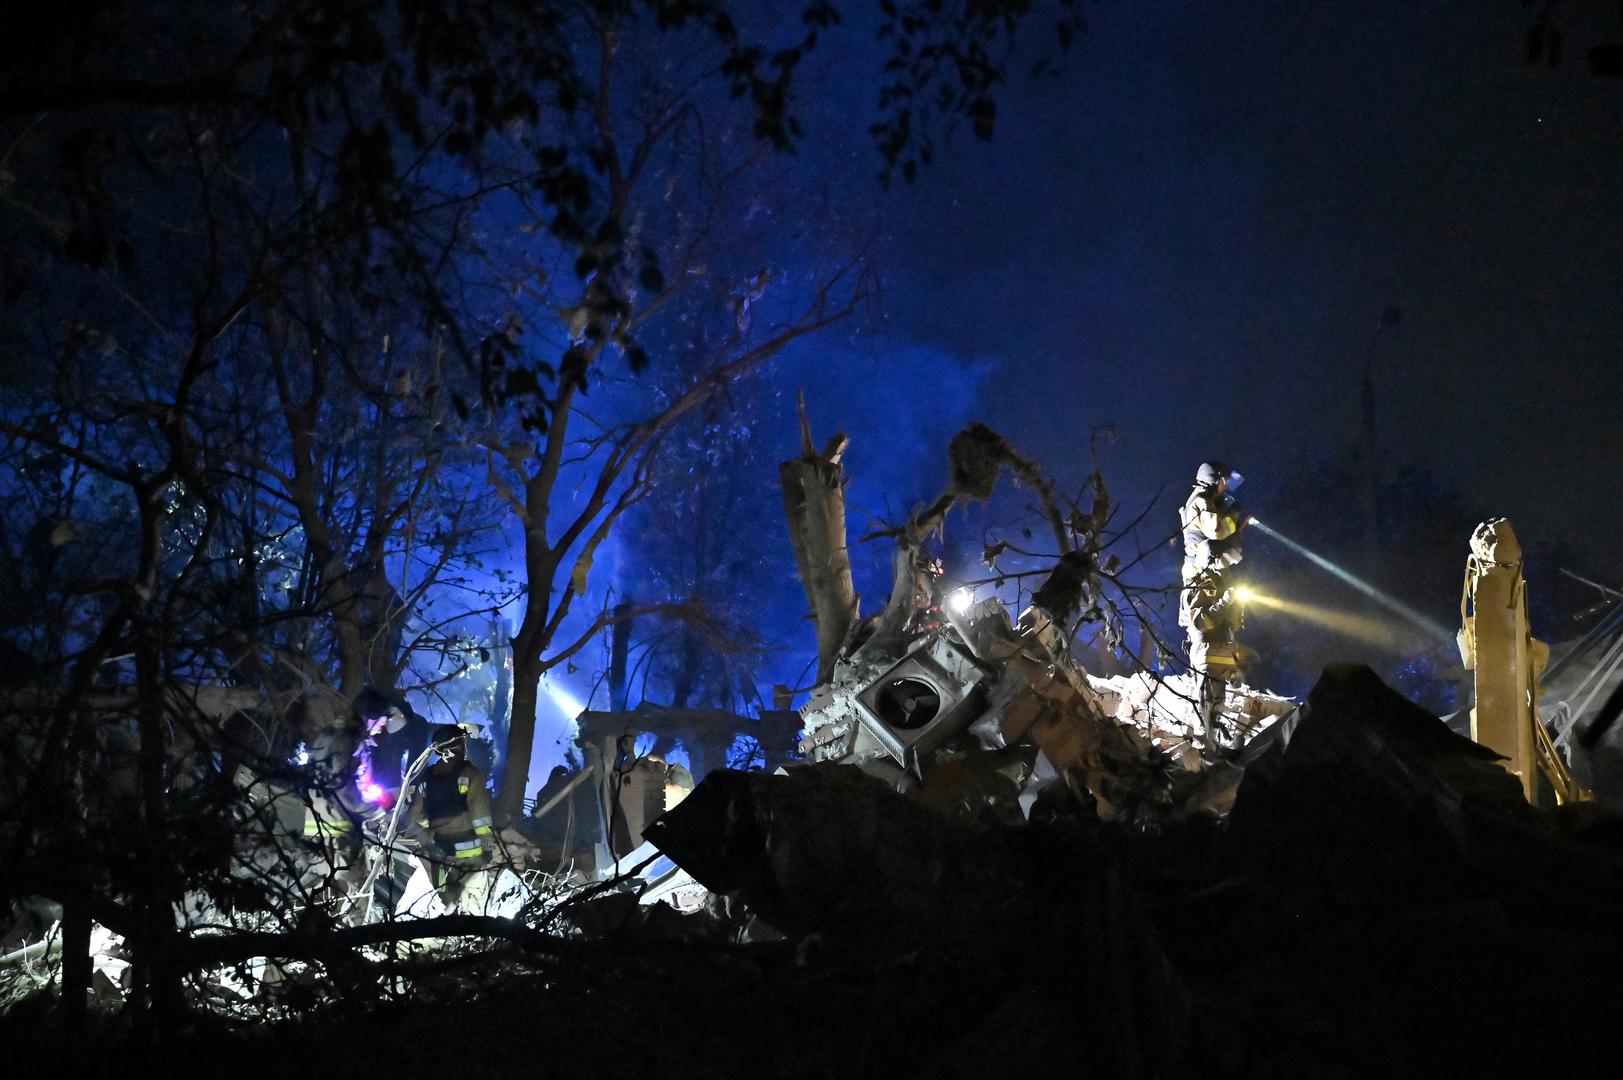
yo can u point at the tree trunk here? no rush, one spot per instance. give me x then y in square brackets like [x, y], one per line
[520, 731]
[76, 964]
[814, 502]
[687, 670]
[155, 878]
[619, 658]
[501, 700]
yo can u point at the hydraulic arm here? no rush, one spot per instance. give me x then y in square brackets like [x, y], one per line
[1498, 647]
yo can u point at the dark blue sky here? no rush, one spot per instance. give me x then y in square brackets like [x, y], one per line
[1192, 234]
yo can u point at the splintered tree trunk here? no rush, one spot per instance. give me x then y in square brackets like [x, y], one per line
[814, 500]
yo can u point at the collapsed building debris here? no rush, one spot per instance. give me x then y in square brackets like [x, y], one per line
[1004, 916]
[1382, 895]
[982, 685]
[626, 790]
[945, 694]
[1383, 898]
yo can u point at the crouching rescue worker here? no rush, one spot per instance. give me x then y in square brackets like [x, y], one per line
[1209, 607]
[449, 818]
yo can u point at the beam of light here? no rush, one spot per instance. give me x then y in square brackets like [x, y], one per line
[567, 703]
[1349, 578]
[961, 600]
[1371, 631]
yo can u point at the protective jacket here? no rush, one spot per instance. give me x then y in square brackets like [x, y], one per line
[1211, 526]
[450, 811]
[333, 866]
[328, 819]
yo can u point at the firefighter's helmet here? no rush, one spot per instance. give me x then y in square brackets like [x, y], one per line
[1211, 472]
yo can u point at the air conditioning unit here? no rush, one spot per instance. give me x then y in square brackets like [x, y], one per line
[927, 697]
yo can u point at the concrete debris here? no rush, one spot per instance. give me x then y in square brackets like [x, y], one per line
[593, 818]
[1380, 901]
[1165, 709]
[972, 684]
[495, 891]
[34, 965]
[1381, 893]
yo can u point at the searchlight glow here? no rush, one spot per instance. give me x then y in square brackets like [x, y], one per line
[1347, 624]
[961, 600]
[1349, 578]
[567, 703]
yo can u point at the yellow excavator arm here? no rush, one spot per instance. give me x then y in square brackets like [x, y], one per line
[1497, 645]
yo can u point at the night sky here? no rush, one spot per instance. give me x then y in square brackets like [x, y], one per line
[1193, 234]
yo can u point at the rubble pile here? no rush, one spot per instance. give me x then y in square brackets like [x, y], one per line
[977, 712]
[1380, 900]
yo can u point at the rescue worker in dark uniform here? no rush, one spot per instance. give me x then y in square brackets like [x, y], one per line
[449, 817]
[1209, 608]
[393, 734]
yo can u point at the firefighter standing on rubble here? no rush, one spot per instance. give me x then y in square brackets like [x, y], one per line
[1209, 608]
[449, 817]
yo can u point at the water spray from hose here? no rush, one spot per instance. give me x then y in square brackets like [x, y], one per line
[1346, 576]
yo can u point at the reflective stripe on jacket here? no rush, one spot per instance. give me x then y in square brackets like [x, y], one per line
[320, 826]
[453, 807]
[326, 816]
